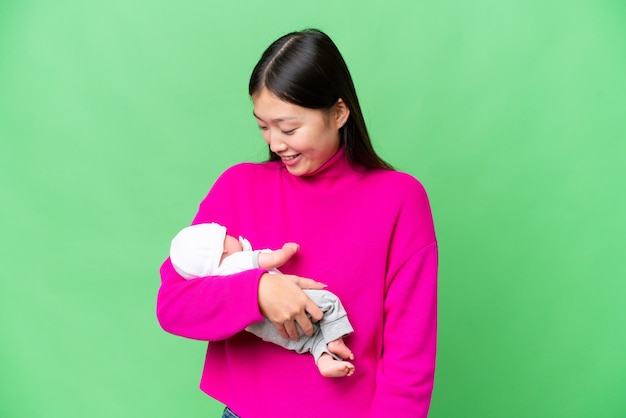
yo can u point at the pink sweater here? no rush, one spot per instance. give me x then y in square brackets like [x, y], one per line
[369, 235]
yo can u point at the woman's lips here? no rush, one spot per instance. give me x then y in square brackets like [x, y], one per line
[290, 159]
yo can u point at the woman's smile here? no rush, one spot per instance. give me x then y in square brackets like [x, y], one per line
[290, 160]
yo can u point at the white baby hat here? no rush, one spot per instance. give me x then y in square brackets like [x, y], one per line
[196, 250]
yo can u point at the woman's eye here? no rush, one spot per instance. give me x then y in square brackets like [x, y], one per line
[263, 128]
[289, 132]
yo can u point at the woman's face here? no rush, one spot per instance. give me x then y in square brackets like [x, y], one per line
[303, 138]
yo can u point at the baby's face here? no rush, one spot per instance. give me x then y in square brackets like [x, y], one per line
[231, 245]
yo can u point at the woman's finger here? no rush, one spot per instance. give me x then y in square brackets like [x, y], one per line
[281, 330]
[309, 283]
[313, 310]
[291, 330]
[305, 323]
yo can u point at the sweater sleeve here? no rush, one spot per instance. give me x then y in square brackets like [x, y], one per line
[203, 308]
[405, 373]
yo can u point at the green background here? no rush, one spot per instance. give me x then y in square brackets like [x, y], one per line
[117, 116]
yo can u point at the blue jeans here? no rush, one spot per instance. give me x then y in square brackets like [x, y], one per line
[229, 414]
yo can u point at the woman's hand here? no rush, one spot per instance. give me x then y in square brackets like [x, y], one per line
[282, 301]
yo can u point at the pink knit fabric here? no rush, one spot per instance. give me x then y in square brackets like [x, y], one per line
[369, 235]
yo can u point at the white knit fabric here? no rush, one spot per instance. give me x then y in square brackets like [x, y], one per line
[198, 249]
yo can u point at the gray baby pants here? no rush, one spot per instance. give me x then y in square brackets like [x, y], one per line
[332, 326]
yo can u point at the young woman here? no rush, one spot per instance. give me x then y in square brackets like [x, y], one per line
[365, 232]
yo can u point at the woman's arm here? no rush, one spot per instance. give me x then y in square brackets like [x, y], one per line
[406, 370]
[203, 308]
[405, 375]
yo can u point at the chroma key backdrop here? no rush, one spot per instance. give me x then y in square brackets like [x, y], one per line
[511, 113]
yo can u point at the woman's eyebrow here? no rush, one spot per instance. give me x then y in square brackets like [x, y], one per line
[281, 119]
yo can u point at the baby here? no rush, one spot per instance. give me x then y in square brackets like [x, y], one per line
[206, 250]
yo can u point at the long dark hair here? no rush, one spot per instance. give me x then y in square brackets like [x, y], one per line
[306, 68]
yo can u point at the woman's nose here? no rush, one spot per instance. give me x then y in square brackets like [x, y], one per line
[276, 145]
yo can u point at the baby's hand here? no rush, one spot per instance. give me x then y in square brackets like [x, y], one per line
[291, 248]
[277, 258]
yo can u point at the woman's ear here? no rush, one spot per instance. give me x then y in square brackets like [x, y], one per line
[341, 113]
